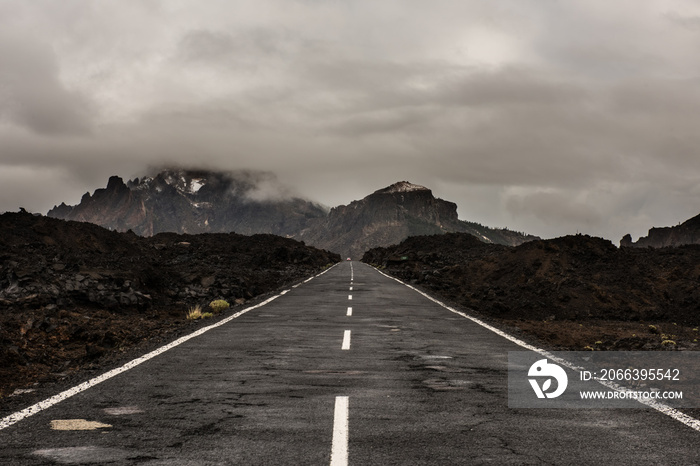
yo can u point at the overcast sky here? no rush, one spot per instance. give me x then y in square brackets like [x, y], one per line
[546, 116]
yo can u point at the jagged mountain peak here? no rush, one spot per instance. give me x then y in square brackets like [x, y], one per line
[195, 201]
[185, 181]
[200, 201]
[401, 187]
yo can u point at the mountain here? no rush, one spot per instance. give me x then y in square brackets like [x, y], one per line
[191, 201]
[194, 201]
[687, 232]
[392, 214]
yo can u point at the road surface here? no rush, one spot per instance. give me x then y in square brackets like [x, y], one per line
[350, 367]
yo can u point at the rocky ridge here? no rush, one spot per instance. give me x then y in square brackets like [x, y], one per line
[563, 287]
[390, 215]
[687, 232]
[191, 201]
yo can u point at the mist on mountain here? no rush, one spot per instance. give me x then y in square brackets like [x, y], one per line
[247, 202]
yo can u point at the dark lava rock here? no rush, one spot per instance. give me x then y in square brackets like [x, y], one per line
[568, 278]
[72, 292]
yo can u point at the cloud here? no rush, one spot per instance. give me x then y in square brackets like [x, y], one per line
[27, 186]
[264, 186]
[552, 207]
[221, 48]
[547, 117]
[508, 87]
[32, 95]
[691, 23]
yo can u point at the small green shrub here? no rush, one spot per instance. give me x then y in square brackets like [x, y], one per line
[653, 329]
[668, 343]
[206, 315]
[219, 305]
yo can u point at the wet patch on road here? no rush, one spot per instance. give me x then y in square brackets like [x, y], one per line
[123, 410]
[447, 384]
[90, 455]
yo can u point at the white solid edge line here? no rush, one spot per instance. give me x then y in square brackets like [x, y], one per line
[349, 311]
[346, 340]
[660, 407]
[47, 403]
[339, 447]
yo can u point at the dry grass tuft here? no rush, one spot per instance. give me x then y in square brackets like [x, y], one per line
[195, 313]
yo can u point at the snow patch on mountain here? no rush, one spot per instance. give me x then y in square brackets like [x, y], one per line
[403, 187]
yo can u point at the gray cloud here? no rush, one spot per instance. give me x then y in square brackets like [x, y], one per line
[233, 49]
[510, 87]
[553, 207]
[547, 117]
[689, 22]
[32, 95]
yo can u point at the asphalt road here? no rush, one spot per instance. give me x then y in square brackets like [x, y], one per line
[419, 386]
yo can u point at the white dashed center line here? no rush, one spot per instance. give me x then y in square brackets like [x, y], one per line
[339, 449]
[346, 341]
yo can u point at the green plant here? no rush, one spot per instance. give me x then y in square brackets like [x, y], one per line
[206, 315]
[668, 343]
[219, 305]
[653, 329]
